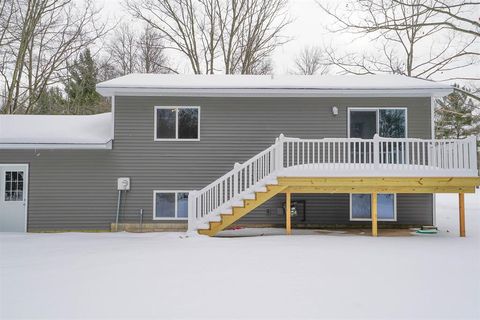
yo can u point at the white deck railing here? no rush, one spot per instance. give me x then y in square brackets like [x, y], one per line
[334, 157]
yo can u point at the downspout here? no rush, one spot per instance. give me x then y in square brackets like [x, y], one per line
[432, 124]
[118, 209]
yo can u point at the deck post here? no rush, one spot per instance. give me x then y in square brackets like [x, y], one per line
[192, 212]
[288, 215]
[461, 211]
[279, 152]
[374, 214]
[376, 151]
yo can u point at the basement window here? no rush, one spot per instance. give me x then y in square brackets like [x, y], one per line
[177, 123]
[169, 205]
[361, 208]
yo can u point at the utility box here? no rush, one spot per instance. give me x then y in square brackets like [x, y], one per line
[123, 184]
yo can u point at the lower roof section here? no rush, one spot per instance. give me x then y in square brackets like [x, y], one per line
[56, 131]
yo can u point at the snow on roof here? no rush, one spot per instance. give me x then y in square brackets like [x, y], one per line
[55, 129]
[341, 85]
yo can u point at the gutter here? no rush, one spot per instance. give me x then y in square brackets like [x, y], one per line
[272, 92]
[57, 146]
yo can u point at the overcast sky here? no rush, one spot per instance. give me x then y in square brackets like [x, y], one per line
[309, 27]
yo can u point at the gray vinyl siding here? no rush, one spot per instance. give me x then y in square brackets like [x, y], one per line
[77, 189]
[333, 209]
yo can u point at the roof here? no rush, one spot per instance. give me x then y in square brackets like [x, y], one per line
[56, 131]
[266, 85]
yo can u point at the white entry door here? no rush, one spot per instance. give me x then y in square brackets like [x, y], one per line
[13, 197]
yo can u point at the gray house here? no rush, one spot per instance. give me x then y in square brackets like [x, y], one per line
[209, 152]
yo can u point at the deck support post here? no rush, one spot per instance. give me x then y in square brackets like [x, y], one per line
[461, 212]
[374, 215]
[288, 213]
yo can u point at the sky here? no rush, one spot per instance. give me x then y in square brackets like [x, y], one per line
[309, 27]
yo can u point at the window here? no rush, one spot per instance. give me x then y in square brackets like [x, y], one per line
[170, 205]
[387, 122]
[177, 123]
[392, 123]
[13, 185]
[361, 209]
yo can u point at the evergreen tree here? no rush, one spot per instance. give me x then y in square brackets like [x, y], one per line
[80, 85]
[51, 101]
[456, 117]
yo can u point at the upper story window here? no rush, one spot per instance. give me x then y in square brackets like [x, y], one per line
[177, 123]
[387, 122]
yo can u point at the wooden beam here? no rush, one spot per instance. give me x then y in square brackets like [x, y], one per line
[380, 181]
[369, 189]
[461, 211]
[374, 215]
[288, 215]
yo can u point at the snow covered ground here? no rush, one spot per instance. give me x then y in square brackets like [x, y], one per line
[164, 275]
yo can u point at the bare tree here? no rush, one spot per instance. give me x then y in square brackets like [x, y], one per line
[7, 11]
[123, 49]
[45, 35]
[132, 50]
[458, 15]
[233, 36]
[461, 16]
[408, 35]
[310, 61]
[152, 57]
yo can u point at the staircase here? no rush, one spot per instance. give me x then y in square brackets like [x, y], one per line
[237, 193]
[240, 209]
[254, 182]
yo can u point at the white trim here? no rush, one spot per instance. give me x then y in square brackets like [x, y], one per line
[434, 209]
[377, 109]
[432, 117]
[52, 146]
[432, 124]
[271, 92]
[26, 185]
[176, 204]
[366, 219]
[113, 117]
[176, 123]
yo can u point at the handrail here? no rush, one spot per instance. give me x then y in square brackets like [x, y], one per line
[317, 156]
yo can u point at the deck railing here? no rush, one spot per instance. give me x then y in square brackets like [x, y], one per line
[443, 157]
[334, 157]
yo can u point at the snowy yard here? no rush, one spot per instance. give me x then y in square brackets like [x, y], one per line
[76, 275]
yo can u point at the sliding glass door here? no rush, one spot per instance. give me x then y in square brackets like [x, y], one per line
[364, 123]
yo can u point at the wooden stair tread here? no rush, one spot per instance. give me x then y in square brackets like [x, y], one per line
[239, 212]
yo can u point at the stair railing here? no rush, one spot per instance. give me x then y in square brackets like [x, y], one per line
[241, 180]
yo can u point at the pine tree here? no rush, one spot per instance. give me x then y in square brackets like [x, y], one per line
[456, 117]
[80, 86]
[51, 101]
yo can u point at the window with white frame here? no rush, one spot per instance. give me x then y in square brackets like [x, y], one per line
[361, 207]
[387, 122]
[177, 123]
[170, 205]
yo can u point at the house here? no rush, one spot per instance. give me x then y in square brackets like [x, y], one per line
[211, 151]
